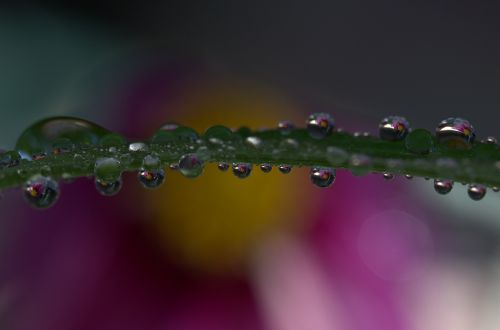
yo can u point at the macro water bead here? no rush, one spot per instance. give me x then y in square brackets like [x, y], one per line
[41, 192]
[319, 125]
[223, 166]
[456, 133]
[443, 186]
[242, 170]
[151, 179]
[476, 191]
[322, 177]
[285, 127]
[284, 168]
[190, 166]
[393, 128]
[266, 168]
[108, 188]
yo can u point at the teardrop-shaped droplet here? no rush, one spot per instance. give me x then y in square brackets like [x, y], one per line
[41, 136]
[319, 125]
[388, 176]
[9, 159]
[107, 169]
[222, 166]
[190, 166]
[218, 134]
[151, 179]
[455, 133]
[393, 128]
[266, 168]
[419, 141]
[322, 177]
[284, 168]
[41, 192]
[476, 191]
[242, 170]
[443, 186]
[108, 188]
[285, 127]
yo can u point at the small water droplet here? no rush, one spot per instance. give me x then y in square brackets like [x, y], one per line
[9, 159]
[476, 191]
[222, 166]
[107, 169]
[38, 156]
[367, 134]
[138, 147]
[151, 162]
[319, 125]
[285, 127]
[190, 166]
[388, 176]
[443, 186]
[242, 170]
[179, 133]
[336, 156]
[203, 153]
[456, 133]
[322, 177]
[266, 168]
[254, 141]
[490, 140]
[285, 169]
[151, 178]
[108, 188]
[356, 134]
[41, 192]
[173, 167]
[218, 134]
[495, 188]
[393, 128]
[112, 140]
[409, 176]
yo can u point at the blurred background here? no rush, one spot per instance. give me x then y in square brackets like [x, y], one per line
[271, 251]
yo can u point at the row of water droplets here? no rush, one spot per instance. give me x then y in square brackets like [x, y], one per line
[60, 135]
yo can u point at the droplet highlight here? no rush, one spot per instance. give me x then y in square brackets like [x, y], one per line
[242, 170]
[476, 191]
[443, 186]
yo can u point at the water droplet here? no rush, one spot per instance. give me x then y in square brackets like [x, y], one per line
[151, 163]
[443, 186]
[490, 140]
[456, 133]
[319, 125]
[150, 178]
[356, 134]
[254, 141]
[108, 188]
[388, 176]
[190, 166]
[285, 127]
[112, 140]
[41, 192]
[266, 168]
[495, 188]
[419, 141]
[180, 133]
[336, 156]
[203, 153]
[9, 159]
[285, 169]
[242, 170]
[409, 176]
[322, 177]
[38, 156]
[218, 134]
[173, 167]
[223, 166]
[107, 169]
[41, 136]
[476, 191]
[393, 128]
[366, 134]
[138, 147]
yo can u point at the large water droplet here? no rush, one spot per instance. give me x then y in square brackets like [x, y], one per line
[107, 169]
[108, 188]
[443, 186]
[476, 191]
[455, 133]
[319, 125]
[242, 170]
[322, 177]
[285, 127]
[419, 141]
[190, 166]
[266, 168]
[41, 192]
[393, 128]
[41, 136]
[284, 168]
[218, 134]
